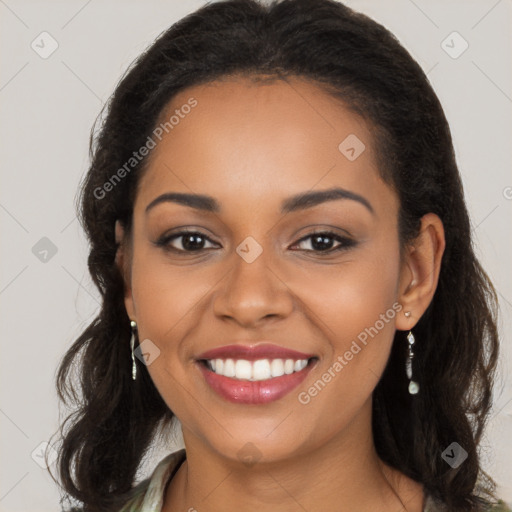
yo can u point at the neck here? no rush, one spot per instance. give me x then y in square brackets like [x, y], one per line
[344, 474]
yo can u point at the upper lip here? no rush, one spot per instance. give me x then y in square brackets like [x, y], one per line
[262, 350]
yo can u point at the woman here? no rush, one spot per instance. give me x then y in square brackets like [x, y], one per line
[279, 234]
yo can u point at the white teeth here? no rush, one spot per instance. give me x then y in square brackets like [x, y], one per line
[229, 368]
[262, 369]
[243, 369]
[277, 368]
[299, 365]
[288, 366]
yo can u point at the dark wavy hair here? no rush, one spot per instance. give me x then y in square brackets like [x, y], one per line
[355, 60]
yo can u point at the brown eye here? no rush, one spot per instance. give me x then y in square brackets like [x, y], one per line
[322, 242]
[188, 241]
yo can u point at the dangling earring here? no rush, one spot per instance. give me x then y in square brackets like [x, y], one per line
[132, 344]
[414, 387]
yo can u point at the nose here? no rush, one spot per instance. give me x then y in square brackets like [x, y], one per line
[252, 292]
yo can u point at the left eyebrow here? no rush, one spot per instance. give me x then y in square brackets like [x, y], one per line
[310, 199]
[291, 204]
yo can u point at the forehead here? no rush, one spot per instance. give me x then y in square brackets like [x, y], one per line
[272, 138]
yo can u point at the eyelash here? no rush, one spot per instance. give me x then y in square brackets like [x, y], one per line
[346, 242]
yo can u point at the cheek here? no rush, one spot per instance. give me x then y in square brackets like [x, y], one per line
[356, 308]
[166, 297]
[352, 296]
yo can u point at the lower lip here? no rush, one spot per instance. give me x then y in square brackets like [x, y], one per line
[254, 392]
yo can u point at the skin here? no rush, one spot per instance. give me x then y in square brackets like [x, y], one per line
[250, 146]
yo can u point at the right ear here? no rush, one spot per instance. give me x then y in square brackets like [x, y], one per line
[122, 261]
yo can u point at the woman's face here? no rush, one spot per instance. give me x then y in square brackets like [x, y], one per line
[255, 272]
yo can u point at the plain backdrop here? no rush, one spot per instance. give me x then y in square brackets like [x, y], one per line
[48, 105]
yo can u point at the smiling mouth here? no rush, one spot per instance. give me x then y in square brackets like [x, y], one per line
[257, 370]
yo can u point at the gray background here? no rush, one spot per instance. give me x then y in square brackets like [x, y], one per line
[48, 106]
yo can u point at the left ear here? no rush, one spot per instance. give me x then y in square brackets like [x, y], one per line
[420, 271]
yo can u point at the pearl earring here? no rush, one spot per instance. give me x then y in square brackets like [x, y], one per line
[414, 387]
[132, 344]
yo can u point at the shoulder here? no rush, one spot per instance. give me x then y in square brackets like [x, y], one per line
[501, 506]
[434, 505]
[148, 494]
